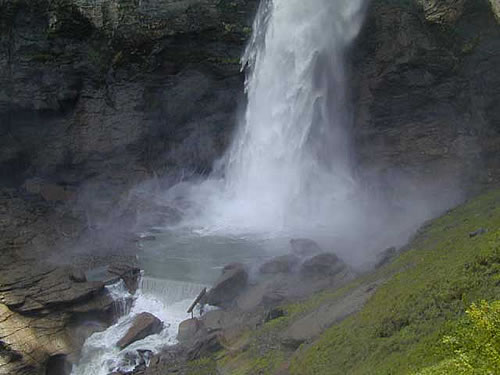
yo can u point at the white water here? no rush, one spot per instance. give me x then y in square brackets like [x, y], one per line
[288, 169]
[167, 300]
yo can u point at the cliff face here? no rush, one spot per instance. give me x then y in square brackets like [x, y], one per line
[427, 78]
[110, 92]
[117, 88]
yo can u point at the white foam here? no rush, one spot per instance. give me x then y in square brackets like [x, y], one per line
[101, 356]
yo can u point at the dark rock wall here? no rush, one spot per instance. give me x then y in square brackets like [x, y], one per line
[427, 88]
[117, 89]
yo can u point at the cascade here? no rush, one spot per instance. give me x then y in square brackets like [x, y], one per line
[288, 169]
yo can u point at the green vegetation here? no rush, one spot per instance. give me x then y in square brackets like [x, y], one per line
[474, 348]
[204, 366]
[400, 329]
[427, 318]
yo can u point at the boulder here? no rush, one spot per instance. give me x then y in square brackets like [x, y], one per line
[189, 329]
[478, 232]
[129, 275]
[233, 280]
[304, 247]
[281, 264]
[144, 325]
[323, 265]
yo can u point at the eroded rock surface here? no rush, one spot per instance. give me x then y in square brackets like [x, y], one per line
[144, 325]
[233, 280]
[322, 265]
[41, 308]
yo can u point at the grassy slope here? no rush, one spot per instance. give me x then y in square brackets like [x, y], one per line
[400, 329]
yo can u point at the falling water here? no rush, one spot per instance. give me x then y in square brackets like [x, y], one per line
[288, 168]
[168, 300]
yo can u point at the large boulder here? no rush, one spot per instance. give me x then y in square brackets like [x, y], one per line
[189, 329]
[305, 247]
[145, 324]
[233, 280]
[281, 264]
[322, 265]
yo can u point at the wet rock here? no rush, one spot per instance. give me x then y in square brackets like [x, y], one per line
[323, 265]
[233, 280]
[478, 232]
[144, 325]
[58, 365]
[78, 276]
[304, 247]
[495, 6]
[281, 264]
[442, 11]
[129, 275]
[29, 287]
[137, 360]
[189, 329]
[385, 256]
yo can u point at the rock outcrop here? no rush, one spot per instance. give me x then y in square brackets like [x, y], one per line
[495, 5]
[228, 286]
[115, 91]
[322, 265]
[442, 11]
[425, 97]
[144, 325]
[41, 308]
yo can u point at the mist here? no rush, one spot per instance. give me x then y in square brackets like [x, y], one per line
[291, 168]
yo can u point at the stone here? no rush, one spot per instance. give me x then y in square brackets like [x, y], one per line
[233, 280]
[495, 6]
[144, 325]
[442, 11]
[188, 329]
[281, 264]
[129, 275]
[78, 276]
[323, 265]
[304, 247]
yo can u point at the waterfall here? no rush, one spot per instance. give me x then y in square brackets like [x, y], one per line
[288, 168]
[166, 299]
[170, 291]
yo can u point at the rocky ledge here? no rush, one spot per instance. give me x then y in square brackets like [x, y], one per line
[42, 308]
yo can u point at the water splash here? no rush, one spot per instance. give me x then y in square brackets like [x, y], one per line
[167, 300]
